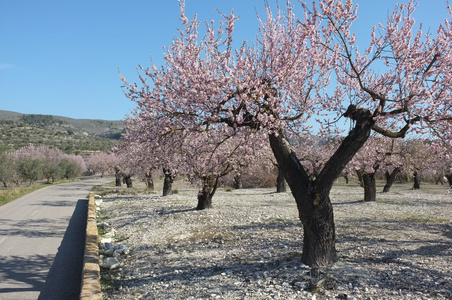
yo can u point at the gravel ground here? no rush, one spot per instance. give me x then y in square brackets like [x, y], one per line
[249, 246]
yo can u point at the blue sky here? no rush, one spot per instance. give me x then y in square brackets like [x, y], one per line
[61, 57]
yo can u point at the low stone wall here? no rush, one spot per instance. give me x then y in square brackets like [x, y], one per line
[91, 271]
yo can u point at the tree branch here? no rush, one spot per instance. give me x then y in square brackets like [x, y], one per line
[355, 139]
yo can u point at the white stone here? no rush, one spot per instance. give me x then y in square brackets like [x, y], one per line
[105, 240]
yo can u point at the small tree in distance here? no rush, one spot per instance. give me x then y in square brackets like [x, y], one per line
[100, 162]
[400, 82]
[377, 155]
[205, 156]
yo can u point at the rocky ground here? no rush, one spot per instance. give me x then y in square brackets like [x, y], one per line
[249, 246]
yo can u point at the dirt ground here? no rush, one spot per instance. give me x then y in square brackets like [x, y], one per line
[248, 246]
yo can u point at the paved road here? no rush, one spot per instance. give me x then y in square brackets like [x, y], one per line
[41, 242]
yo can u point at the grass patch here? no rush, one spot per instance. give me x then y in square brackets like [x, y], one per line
[12, 193]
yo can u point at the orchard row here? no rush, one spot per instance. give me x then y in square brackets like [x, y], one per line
[216, 104]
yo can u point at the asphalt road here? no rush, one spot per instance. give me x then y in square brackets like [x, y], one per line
[42, 239]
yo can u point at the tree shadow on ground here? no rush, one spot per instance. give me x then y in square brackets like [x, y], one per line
[402, 266]
[166, 211]
[35, 228]
[398, 260]
[16, 269]
[54, 276]
[348, 203]
[55, 203]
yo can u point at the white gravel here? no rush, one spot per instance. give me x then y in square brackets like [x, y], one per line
[249, 246]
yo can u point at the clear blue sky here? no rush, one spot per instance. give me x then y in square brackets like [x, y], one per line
[61, 57]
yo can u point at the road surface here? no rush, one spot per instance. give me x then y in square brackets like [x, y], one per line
[42, 239]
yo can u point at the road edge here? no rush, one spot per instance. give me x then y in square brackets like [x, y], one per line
[91, 288]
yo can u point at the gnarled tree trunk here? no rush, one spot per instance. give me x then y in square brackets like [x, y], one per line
[390, 179]
[128, 180]
[312, 196]
[148, 180]
[168, 182]
[205, 195]
[118, 176]
[370, 189]
[237, 181]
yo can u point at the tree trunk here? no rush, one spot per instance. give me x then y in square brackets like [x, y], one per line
[118, 176]
[390, 179]
[312, 196]
[280, 182]
[128, 181]
[359, 173]
[168, 182]
[417, 181]
[148, 180]
[205, 195]
[346, 178]
[370, 189]
[237, 181]
[449, 179]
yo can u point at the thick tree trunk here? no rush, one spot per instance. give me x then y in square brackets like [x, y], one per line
[118, 179]
[370, 189]
[205, 195]
[390, 179]
[168, 182]
[128, 181]
[312, 196]
[417, 181]
[148, 180]
[319, 233]
[280, 182]
[237, 181]
[118, 176]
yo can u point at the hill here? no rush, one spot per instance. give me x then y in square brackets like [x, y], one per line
[67, 134]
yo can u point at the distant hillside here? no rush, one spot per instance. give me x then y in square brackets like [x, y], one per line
[67, 134]
[92, 126]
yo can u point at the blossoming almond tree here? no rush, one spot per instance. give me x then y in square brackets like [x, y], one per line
[442, 165]
[379, 154]
[153, 149]
[214, 154]
[278, 83]
[420, 157]
[202, 155]
[100, 162]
